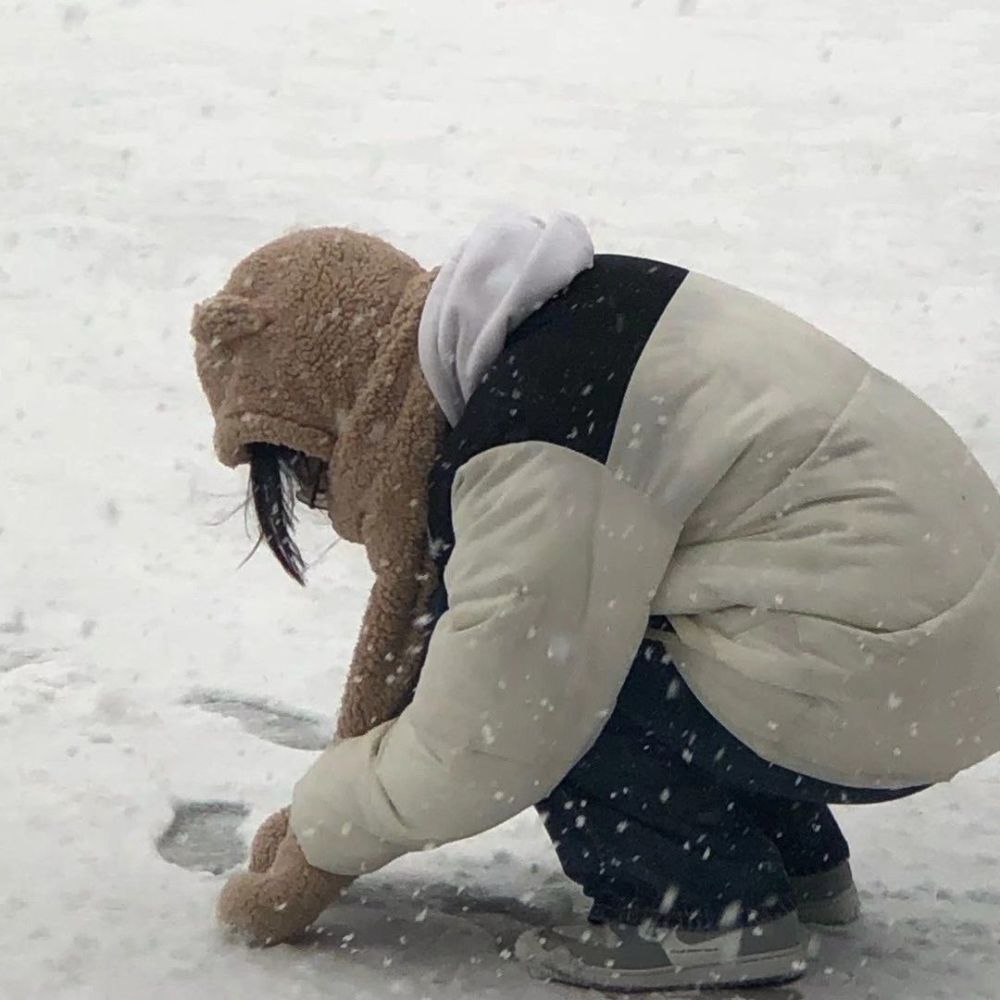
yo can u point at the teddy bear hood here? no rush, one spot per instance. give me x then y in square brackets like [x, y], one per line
[284, 349]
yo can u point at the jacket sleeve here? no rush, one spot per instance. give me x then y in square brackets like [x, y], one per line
[550, 580]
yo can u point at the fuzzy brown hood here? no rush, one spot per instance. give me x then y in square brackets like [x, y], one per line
[312, 344]
[285, 347]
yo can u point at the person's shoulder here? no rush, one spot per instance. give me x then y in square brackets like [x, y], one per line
[564, 371]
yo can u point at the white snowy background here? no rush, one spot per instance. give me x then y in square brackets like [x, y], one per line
[837, 156]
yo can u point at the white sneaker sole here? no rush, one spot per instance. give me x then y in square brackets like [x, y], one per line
[756, 970]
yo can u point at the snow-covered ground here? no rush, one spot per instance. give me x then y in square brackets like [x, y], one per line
[839, 157]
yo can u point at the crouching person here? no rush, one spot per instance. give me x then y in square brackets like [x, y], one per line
[650, 553]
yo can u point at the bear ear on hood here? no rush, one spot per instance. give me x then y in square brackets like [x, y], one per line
[226, 317]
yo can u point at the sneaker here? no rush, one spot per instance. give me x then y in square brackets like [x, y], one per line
[622, 957]
[829, 898]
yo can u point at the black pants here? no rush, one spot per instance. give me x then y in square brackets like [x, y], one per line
[671, 817]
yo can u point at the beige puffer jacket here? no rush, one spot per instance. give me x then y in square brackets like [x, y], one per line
[825, 547]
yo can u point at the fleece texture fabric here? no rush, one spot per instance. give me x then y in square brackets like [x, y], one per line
[312, 344]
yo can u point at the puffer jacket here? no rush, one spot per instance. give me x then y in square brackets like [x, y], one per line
[657, 453]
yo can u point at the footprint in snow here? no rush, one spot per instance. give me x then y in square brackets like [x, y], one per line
[267, 720]
[12, 659]
[205, 836]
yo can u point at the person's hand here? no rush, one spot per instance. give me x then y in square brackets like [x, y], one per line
[281, 894]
